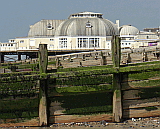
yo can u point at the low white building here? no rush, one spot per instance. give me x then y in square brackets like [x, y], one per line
[131, 37]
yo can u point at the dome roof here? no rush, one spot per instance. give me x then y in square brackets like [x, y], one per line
[41, 28]
[78, 24]
[128, 30]
[86, 27]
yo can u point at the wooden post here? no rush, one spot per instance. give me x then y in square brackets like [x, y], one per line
[2, 58]
[117, 100]
[13, 68]
[103, 58]
[57, 62]
[43, 61]
[19, 56]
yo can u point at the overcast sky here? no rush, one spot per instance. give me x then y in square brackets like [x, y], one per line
[18, 15]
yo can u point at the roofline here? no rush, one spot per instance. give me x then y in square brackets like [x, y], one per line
[85, 12]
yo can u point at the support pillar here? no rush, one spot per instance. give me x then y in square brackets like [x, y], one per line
[57, 62]
[43, 61]
[117, 99]
[19, 56]
[2, 58]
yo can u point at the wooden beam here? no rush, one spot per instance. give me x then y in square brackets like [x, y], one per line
[43, 61]
[117, 99]
[43, 58]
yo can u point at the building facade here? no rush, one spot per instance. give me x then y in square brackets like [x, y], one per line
[86, 30]
[81, 31]
[132, 38]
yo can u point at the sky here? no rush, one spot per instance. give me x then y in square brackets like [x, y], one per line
[17, 15]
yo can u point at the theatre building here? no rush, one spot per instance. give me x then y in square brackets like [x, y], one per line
[85, 30]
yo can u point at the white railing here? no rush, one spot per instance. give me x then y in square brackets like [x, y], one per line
[8, 48]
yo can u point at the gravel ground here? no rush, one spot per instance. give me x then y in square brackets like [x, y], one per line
[140, 123]
[132, 123]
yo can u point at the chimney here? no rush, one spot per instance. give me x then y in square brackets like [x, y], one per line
[117, 23]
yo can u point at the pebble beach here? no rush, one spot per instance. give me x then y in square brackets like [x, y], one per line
[127, 124]
[138, 123]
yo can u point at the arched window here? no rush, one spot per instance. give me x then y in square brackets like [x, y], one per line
[49, 26]
[88, 24]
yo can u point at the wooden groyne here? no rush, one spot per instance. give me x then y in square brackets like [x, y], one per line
[134, 88]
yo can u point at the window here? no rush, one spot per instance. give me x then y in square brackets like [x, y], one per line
[82, 42]
[129, 43]
[11, 44]
[147, 37]
[12, 41]
[62, 42]
[51, 39]
[88, 24]
[49, 26]
[85, 42]
[122, 43]
[88, 42]
[96, 42]
[91, 42]
[21, 41]
[126, 43]
[32, 42]
[92, 15]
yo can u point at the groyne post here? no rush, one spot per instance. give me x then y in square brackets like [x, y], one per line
[117, 99]
[43, 61]
[1, 58]
[19, 56]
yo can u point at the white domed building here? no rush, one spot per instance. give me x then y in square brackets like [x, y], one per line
[131, 37]
[128, 34]
[81, 31]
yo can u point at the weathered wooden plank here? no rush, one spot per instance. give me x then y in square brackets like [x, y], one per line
[141, 84]
[78, 118]
[43, 61]
[130, 94]
[117, 102]
[141, 112]
[43, 58]
[18, 74]
[129, 104]
[83, 72]
[55, 108]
